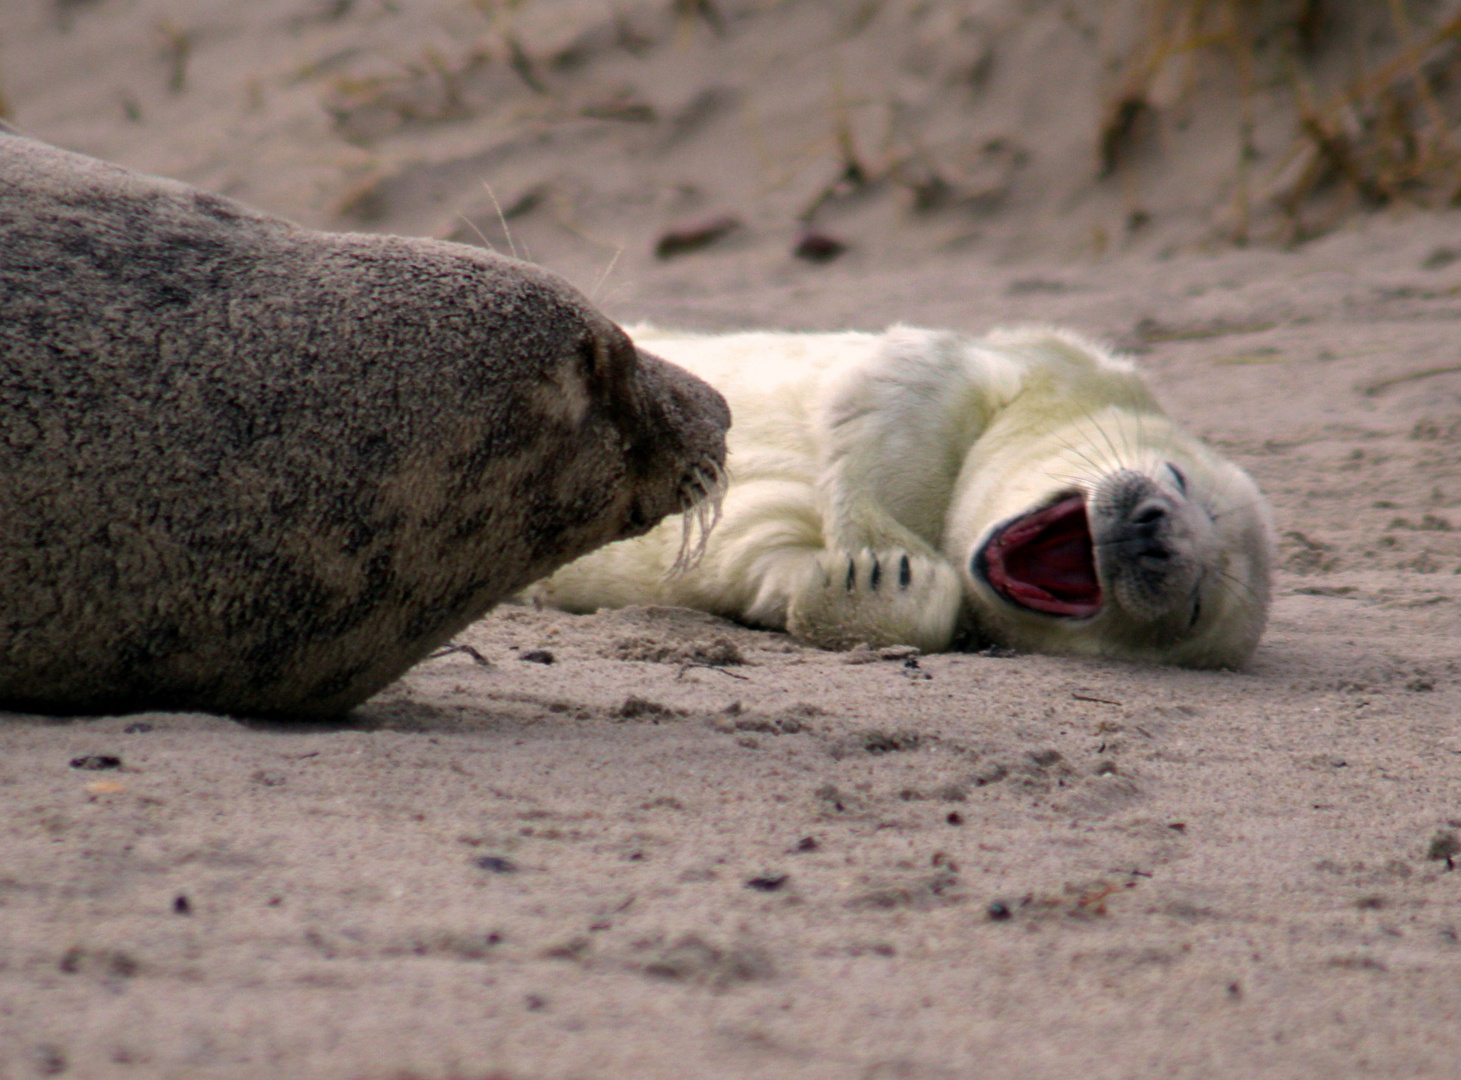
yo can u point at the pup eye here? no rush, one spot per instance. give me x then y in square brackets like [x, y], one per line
[1179, 476]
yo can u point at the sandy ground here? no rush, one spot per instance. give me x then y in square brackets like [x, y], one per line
[652, 844]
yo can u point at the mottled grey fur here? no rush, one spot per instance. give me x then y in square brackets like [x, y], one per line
[256, 469]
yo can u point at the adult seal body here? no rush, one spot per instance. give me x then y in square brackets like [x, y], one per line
[252, 468]
[913, 487]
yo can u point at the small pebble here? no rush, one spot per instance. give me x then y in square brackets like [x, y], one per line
[693, 237]
[1444, 845]
[818, 247]
[496, 864]
[97, 761]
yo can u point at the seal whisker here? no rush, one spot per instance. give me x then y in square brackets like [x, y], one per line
[1077, 451]
[603, 277]
[702, 493]
[1086, 456]
[1116, 461]
[1092, 462]
[1224, 575]
[1116, 457]
[506, 229]
[469, 223]
[1080, 483]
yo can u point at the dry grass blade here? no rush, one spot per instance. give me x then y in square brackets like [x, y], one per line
[1386, 134]
[176, 45]
[1381, 385]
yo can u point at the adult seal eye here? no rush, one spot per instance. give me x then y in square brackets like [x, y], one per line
[1179, 476]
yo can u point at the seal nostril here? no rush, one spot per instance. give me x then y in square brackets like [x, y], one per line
[1149, 515]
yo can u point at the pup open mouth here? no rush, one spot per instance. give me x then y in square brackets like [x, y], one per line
[1045, 561]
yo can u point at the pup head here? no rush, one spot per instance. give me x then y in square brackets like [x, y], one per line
[1085, 522]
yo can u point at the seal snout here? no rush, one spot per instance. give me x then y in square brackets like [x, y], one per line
[678, 418]
[1147, 531]
[1147, 539]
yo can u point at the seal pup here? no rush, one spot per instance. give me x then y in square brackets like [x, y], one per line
[252, 468]
[917, 487]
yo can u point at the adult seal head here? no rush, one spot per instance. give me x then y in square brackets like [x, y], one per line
[256, 469]
[919, 487]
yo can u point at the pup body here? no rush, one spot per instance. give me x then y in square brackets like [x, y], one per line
[909, 486]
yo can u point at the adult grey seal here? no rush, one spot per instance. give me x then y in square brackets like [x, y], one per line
[917, 487]
[252, 468]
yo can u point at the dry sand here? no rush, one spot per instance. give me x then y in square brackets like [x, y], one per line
[688, 849]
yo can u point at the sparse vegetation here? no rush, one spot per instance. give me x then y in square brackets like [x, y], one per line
[1373, 88]
[175, 46]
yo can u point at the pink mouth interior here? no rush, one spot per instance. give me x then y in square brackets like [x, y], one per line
[1044, 561]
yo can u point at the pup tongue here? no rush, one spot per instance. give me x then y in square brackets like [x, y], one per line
[1045, 561]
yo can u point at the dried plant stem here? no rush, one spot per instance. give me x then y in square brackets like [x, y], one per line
[1388, 136]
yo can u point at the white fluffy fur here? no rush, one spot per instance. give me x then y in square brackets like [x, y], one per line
[851, 452]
